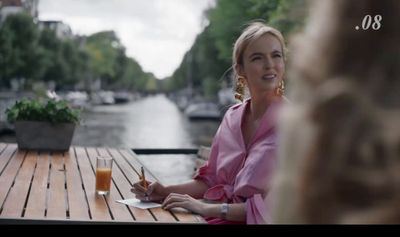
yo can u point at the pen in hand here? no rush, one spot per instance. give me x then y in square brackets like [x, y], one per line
[144, 182]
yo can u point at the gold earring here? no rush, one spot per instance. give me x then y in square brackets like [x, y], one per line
[239, 88]
[280, 90]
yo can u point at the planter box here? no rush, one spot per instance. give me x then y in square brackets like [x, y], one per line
[44, 135]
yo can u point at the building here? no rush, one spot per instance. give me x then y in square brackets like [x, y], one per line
[62, 30]
[9, 7]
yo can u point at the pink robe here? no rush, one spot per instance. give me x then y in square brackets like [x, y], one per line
[236, 174]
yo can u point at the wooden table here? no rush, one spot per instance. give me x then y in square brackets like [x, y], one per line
[56, 187]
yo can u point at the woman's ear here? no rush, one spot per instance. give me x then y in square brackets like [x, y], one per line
[239, 70]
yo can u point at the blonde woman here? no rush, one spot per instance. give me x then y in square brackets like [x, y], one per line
[235, 181]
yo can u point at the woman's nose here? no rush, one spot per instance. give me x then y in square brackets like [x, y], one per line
[268, 62]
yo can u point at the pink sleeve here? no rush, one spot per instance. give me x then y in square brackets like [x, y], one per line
[207, 173]
[257, 210]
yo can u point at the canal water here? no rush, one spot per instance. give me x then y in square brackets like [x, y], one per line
[151, 122]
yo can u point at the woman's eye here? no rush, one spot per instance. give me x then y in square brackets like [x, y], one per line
[277, 56]
[255, 58]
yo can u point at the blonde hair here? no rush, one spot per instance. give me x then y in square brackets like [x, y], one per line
[252, 32]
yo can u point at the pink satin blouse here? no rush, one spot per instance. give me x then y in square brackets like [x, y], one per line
[236, 173]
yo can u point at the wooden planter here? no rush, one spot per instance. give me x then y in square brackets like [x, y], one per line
[44, 135]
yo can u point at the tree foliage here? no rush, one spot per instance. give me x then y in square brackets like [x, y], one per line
[210, 57]
[39, 55]
[19, 56]
[109, 62]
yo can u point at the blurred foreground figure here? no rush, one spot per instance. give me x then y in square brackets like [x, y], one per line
[340, 138]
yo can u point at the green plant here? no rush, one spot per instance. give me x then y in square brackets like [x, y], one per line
[33, 110]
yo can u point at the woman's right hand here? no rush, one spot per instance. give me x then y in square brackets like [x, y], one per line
[155, 192]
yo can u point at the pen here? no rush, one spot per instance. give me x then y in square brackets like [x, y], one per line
[144, 182]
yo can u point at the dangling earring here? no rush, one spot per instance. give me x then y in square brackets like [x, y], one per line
[280, 90]
[239, 88]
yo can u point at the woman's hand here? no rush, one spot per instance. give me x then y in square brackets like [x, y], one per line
[184, 201]
[155, 192]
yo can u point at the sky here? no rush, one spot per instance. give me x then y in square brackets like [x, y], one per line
[157, 33]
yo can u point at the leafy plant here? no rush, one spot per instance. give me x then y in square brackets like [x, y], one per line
[33, 110]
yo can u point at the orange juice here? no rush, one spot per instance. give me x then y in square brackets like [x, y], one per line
[103, 180]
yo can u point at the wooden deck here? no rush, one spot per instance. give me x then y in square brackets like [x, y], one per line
[38, 187]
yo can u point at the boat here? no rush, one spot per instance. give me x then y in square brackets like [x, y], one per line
[203, 111]
[122, 97]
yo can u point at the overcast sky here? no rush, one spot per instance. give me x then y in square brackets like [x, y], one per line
[157, 33]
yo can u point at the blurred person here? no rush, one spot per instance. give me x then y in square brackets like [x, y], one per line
[233, 182]
[339, 153]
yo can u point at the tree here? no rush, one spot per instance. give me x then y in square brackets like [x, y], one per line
[20, 58]
[103, 49]
[290, 16]
[7, 56]
[51, 52]
[108, 61]
[212, 51]
[76, 63]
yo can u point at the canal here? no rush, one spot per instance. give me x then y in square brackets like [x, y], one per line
[152, 122]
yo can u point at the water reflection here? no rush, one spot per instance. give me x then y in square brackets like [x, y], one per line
[153, 122]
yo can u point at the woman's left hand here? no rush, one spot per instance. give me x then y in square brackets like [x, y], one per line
[184, 201]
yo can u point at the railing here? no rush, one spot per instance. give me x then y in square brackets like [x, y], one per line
[202, 153]
[167, 151]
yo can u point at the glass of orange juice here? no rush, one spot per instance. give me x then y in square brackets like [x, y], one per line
[103, 174]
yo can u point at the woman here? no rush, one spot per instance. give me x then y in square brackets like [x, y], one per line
[234, 181]
[341, 135]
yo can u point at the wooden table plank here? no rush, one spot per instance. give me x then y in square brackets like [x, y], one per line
[78, 207]
[3, 158]
[2, 146]
[36, 205]
[187, 217]
[97, 205]
[124, 186]
[135, 163]
[14, 204]
[127, 170]
[160, 214]
[6, 155]
[8, 175]
[119, 212]
[56, 196]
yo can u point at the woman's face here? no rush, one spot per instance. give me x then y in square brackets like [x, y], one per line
[263, 65]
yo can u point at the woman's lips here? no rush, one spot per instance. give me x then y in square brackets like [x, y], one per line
[269, 77]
